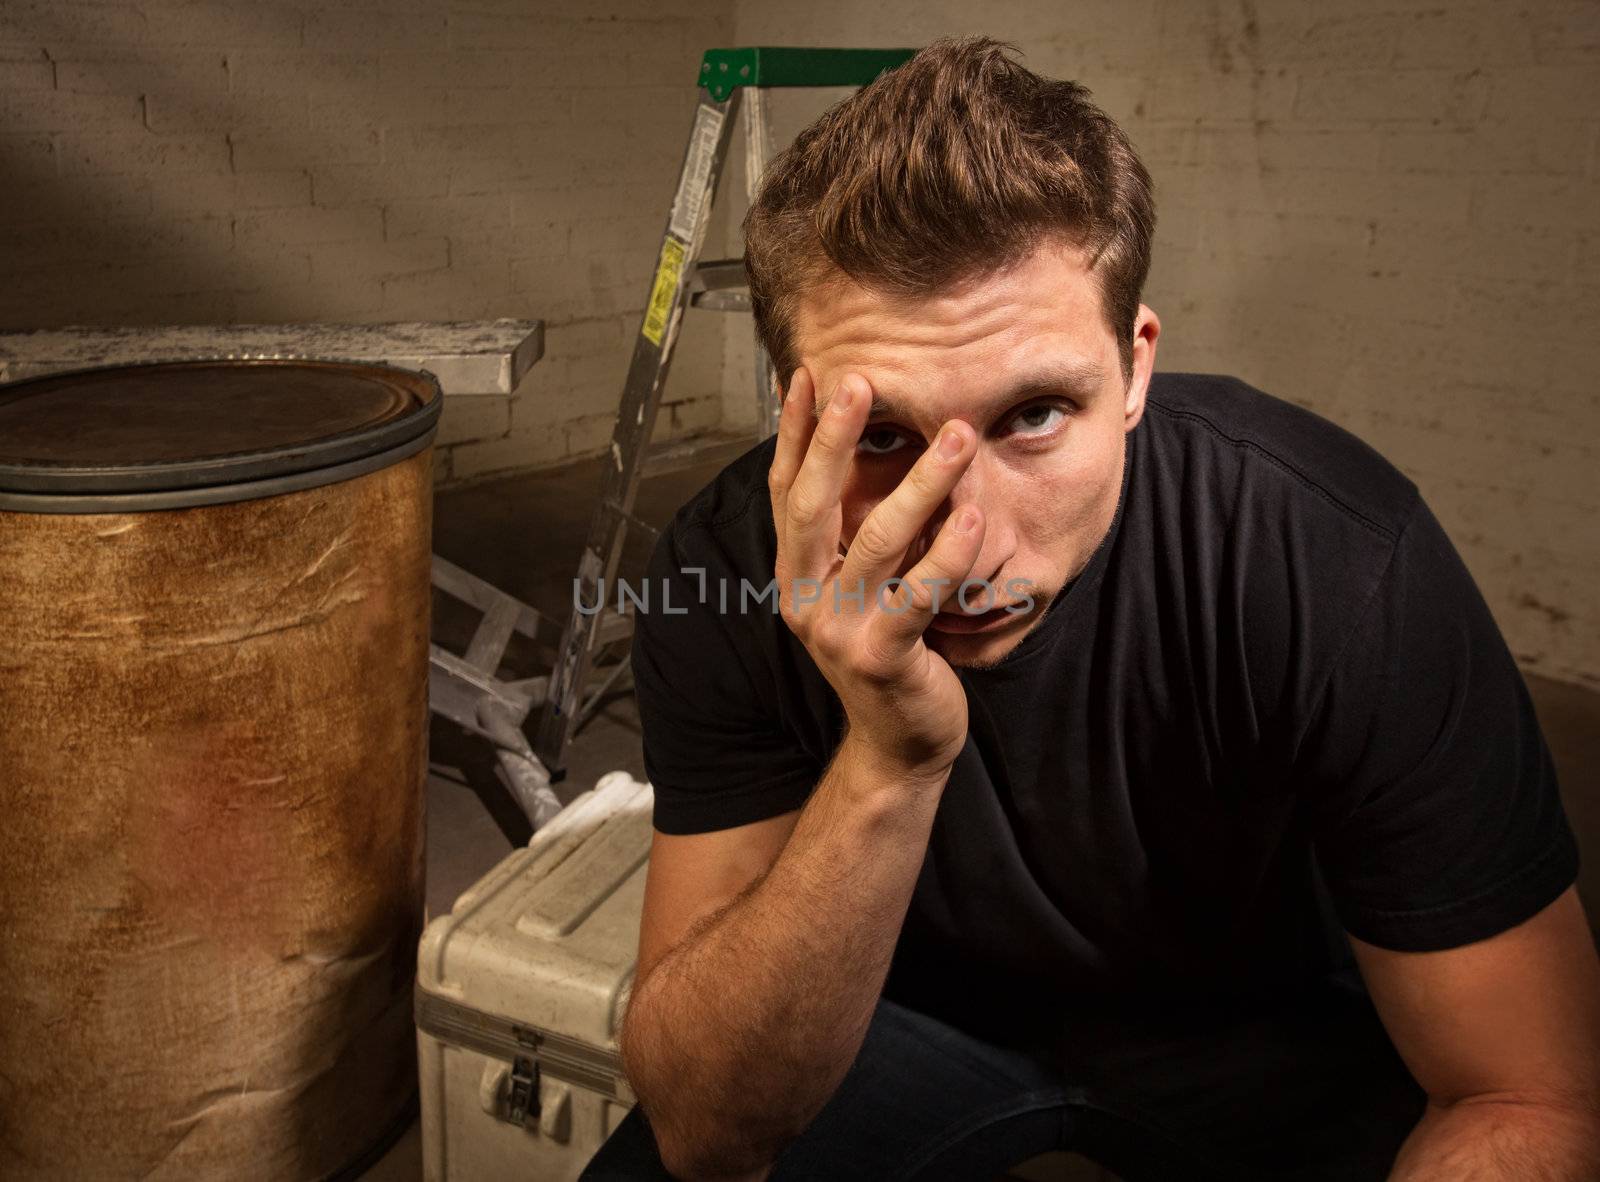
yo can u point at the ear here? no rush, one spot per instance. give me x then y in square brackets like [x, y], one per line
[1146, 331]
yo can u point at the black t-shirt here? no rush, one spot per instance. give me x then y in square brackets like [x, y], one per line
[1273, 704]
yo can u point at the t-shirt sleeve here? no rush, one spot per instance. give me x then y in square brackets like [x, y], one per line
[715, 749]
[1437, 816]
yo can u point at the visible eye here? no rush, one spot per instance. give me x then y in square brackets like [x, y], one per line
[880, 441]
[1039, 419]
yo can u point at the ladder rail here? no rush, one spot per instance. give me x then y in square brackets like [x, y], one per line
[688, 224]
[757, 151]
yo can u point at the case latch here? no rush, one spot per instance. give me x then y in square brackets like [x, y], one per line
[524, 1091]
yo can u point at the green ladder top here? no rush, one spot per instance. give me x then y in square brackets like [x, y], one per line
[722, 71]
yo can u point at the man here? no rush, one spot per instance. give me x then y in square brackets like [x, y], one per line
[1210, 832]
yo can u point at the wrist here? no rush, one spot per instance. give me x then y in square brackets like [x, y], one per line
[871, 764]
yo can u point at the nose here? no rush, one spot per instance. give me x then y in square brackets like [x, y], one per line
[977, 487]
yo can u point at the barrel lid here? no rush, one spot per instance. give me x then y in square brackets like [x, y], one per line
[160, 428]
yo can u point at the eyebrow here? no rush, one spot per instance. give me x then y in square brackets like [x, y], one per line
[1077, 378]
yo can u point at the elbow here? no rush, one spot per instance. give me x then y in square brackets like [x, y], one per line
[1557, 1135]
[702, 1146]
[710, 1121]
[698, 1161]
[699, 1141]
[695, 1142]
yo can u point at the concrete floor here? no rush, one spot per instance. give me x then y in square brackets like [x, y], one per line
[524, 533]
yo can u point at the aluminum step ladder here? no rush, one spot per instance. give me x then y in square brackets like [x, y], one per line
[727, 77]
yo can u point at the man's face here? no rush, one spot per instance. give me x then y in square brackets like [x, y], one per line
[1025, 357]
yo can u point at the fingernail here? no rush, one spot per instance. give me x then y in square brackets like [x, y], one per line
[968, 519]
[843, 397]
[949, 444]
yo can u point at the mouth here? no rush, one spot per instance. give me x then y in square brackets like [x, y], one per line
[959, 622]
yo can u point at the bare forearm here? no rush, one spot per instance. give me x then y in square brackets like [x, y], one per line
[1500, 1140]
[743, 1031]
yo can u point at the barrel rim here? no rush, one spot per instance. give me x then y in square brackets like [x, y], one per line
[216, 494]
[23, 486]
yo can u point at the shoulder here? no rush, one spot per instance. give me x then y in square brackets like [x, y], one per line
[728, 698]
[728, 523]
[1286, 525]
[1295, 451]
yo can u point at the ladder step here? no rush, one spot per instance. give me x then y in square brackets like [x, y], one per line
[635, 522]
[720, 301]
[718, 275]
[661, 458]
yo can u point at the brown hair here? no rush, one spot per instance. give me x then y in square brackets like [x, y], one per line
[952, 166]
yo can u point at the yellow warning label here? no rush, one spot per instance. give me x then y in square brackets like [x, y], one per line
[663, 290]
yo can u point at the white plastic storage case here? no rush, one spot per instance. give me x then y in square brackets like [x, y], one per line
[520, 990]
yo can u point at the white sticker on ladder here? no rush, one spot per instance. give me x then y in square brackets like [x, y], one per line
[693, 186]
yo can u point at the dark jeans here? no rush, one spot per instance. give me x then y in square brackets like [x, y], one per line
[1306, 1090]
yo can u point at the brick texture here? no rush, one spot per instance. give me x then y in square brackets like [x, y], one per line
[213, 162]
[1385, 210]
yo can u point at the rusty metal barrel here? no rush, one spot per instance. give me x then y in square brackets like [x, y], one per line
[214, 605]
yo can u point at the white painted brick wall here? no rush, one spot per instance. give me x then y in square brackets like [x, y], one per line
[1386, 210]
[214, 162]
